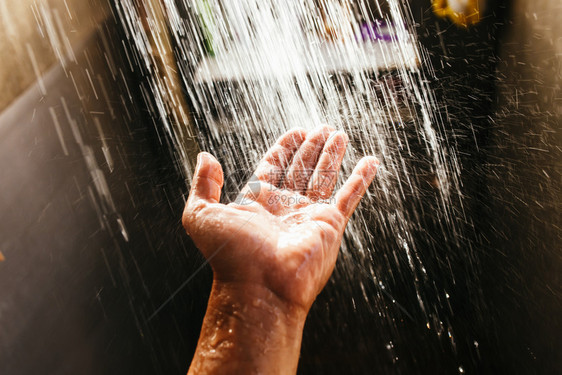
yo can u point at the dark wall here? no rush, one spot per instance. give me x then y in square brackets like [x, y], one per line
[91, 230]
[500, 84]
[523, 239]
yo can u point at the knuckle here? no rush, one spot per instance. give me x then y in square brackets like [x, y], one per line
[277, 155]
[210, 173]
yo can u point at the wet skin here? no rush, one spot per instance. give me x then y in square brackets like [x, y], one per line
[272, 251]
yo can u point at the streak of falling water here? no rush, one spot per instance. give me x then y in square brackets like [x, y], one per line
[254, 68]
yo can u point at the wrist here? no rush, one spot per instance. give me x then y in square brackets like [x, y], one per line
[248, 329]
[254, 303]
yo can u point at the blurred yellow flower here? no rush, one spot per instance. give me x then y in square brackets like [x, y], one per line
[462, 12]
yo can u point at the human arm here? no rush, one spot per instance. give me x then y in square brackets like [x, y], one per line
[272, 251]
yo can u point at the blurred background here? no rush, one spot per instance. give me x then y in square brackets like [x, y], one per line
[96, 270]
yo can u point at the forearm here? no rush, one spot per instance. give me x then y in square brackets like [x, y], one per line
[248, 330]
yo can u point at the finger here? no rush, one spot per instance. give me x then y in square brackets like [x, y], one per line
[272, 167]
[322, 182]
[349, 196]
[306, 158]
[207, 180]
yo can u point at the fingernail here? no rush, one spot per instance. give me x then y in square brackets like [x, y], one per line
[373, 163]
[343, 134]
[340, 138]
[205, 155]
[298, 134]
[200, 157]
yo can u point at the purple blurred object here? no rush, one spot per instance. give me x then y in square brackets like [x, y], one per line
[376, 30]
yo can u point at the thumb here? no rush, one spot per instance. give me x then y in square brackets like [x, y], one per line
[207, 180]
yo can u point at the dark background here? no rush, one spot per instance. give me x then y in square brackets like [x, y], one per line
[77, 296]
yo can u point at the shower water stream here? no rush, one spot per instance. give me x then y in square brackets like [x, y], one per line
[251, 69]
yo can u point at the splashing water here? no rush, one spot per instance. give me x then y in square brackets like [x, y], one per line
[253, 69]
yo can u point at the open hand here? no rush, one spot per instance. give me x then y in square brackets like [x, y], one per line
[284, 231]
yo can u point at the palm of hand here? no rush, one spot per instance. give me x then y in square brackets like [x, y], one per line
[283, 238]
